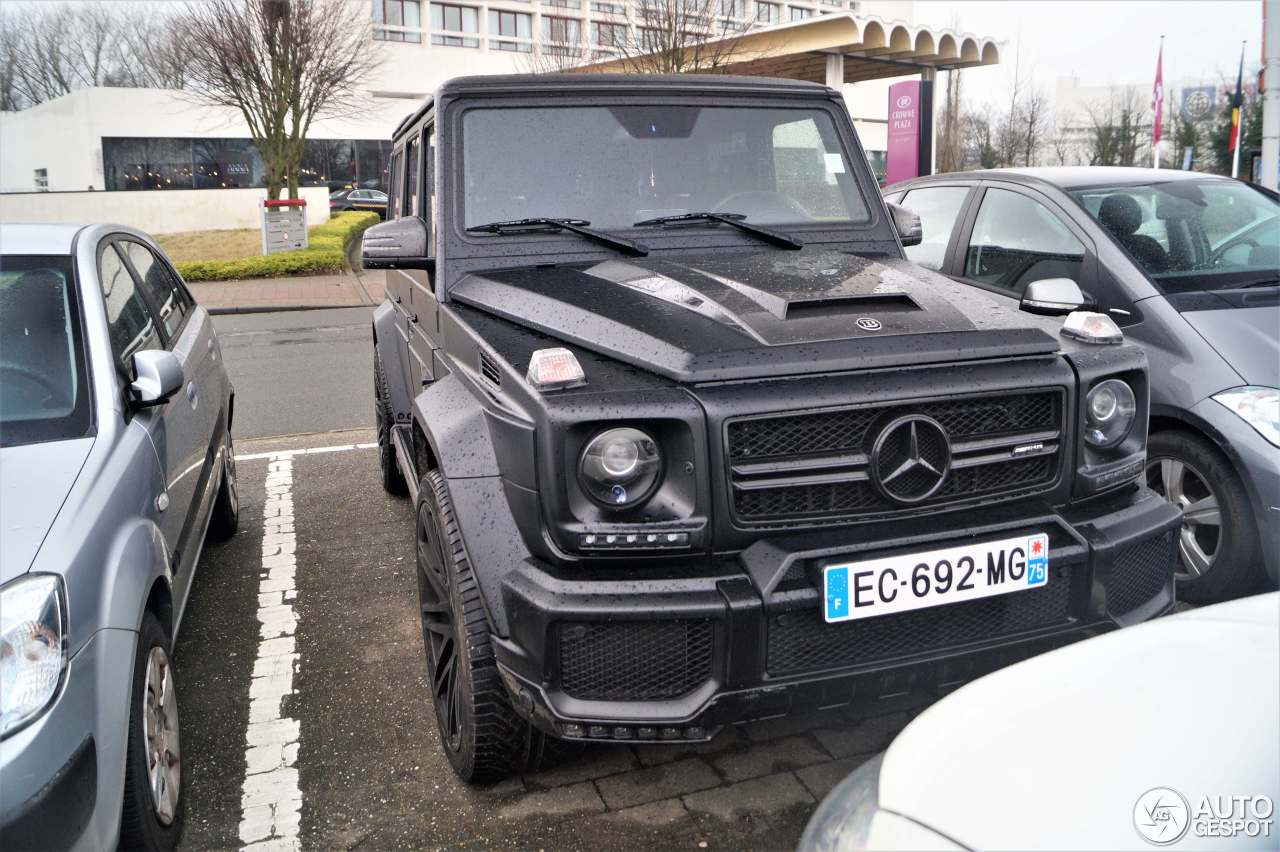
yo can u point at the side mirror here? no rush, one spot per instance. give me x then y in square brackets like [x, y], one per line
[396, 244]
[1053, 297]
[159, 377]
[910, 231]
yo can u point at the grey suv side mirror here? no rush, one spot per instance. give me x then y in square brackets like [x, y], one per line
[910, 231]
[1054, 297]
[396, 244]
[159, 377]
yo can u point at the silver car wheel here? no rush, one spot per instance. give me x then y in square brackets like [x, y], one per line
[233, 493]
[1200, 537]
[160, 730]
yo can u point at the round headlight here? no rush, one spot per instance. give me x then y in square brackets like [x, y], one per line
[1109, 413]
[620, 467]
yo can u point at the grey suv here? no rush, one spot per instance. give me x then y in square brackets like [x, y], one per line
[115, 457]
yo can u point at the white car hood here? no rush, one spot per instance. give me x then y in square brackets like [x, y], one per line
[35, 480]
[1054, 752]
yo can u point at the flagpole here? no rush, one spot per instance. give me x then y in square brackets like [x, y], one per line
[1235, 155]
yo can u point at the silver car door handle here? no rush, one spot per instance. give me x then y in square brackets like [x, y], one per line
[191, 392]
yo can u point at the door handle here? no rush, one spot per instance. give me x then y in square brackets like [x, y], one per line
[413, 318]
[191, 393]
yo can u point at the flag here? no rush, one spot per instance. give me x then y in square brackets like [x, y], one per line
[1157, 99]
[1237, 104]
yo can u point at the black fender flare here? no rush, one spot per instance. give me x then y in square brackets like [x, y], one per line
[387, 343]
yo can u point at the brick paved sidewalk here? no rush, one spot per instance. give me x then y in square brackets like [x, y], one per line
[284, 294]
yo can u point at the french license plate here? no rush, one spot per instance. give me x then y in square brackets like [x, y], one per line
[918, 580]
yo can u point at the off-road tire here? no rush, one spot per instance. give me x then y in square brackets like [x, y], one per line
[493, 741]
[225, 517]
[1237, 565]
[140, 828]
[392, 479]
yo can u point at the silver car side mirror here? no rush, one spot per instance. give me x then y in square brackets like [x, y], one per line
[907, 224]
[1053, 297]
[159, 377]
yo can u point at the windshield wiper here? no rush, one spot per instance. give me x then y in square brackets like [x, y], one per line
[734, 219]
[1264, 282]
[577, 226]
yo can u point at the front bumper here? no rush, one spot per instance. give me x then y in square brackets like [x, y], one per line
[63, 775]
[662, 657]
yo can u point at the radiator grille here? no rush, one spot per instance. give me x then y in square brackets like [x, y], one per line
[635, 660]
[815, 466]
[803, 642]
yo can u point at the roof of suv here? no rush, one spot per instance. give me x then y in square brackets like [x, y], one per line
[1070, 177]
[534, 84]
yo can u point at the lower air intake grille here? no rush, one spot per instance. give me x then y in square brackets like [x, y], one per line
[802, 641]
[1140, 572]
[635, 660]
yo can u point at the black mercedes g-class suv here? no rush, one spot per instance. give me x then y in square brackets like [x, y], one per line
[691, 443]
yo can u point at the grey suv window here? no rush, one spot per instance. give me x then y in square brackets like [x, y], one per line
[129, 323]
[1017, 240]
[938, 207]
[167, 297]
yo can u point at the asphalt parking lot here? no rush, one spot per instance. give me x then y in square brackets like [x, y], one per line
[306, 720]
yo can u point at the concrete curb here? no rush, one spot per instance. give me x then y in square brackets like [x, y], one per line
[271, 309]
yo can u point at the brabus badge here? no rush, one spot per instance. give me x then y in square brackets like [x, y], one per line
[868, 324]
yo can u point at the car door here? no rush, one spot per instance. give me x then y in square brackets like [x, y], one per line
[941, 208]
[1012, 236]
[186, 433]
[423, 310]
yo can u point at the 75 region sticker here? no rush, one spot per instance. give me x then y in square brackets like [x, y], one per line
[1038, 560]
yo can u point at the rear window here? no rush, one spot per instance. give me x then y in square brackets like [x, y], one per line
[44, 394]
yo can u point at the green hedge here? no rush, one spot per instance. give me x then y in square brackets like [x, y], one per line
[326, 252]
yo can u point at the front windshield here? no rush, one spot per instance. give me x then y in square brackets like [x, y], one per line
[614, 166]
[1192, 235]
[43, 394]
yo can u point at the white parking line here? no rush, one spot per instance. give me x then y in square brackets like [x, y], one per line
[285, 454]
[271, 799]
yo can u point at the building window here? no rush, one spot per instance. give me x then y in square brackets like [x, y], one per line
[608, 8]
[836, 3]
[510, 25]
[608, 35]
[733, 8]
[41, 180]
[458, 22]
[562, 31]
[768, 13]
[397, 13]
[799, 13]
[563, 4]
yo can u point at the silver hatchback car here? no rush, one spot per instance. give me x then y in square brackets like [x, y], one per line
[115, 458]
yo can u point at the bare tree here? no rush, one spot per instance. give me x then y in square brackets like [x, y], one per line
[1119, 129]
[1032, 124]
[951, 125]
[660, 37]
[282, 64]
[50, 49]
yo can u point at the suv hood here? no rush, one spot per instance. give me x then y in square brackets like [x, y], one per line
[772, 313]
[35, 480]
[1245, 338]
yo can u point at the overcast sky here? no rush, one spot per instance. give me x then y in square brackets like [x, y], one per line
[1104, 41]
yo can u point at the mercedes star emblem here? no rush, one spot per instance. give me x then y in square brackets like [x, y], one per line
[911, 458]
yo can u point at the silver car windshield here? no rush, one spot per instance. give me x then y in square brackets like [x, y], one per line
[1193, 235]
[614, 166]
[43, 393]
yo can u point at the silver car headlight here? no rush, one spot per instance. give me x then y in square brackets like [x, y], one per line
[1257, 406]
[33, 647]
[1110, 409]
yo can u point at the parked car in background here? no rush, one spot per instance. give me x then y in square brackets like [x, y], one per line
[691, 443]
[1087, 747]
[359, 199]
[1189, 266]
[115, 457]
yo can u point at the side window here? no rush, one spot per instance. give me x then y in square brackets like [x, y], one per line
[429, 168]
[1017, 240]
[938, 208]
[159, 286]
[128, 321]
[411, 179]
[396, 189]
